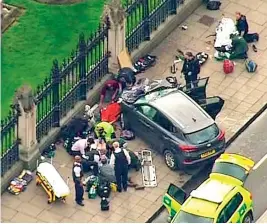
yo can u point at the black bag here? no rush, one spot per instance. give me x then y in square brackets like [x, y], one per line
[251, 37]
[214, 5]
[104, 189]
[104, 204]
[127, 135]
[202, 57]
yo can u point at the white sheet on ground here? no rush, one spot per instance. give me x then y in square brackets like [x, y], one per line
[225, 28]
[59, 186]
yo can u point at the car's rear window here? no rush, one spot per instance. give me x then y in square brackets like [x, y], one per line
[230, 169]
[203, 135]
[184, 217]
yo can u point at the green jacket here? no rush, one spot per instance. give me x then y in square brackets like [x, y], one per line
[239, 44]
[108, 129]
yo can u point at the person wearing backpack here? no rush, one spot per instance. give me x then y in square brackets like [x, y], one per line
[120, 159]
[191, 69]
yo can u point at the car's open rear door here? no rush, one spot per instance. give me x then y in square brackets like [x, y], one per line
[197, 90]
[173, 199]
[212, 105]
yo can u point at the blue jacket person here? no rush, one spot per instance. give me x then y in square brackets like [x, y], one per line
[77, 174]
[191, 69]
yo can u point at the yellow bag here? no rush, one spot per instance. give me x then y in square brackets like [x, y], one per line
[113, 187]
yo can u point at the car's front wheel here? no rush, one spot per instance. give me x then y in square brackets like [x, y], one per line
[248, 218]
[170, 160]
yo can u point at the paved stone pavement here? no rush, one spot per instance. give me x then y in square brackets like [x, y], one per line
[244, 95]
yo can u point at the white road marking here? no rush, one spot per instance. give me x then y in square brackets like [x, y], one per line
[260, 162]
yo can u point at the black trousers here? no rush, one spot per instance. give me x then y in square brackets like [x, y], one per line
[75, 153]
[87, 166]
[121, 178]
[190, 79]
[79, 191]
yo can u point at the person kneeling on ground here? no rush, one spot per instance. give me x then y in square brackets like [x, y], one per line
[91, 161]
[239, 48]
[79, 147]
[105, 131]
[112, 86]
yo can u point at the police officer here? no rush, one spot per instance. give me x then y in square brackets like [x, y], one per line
[77, 174]
[120, 159]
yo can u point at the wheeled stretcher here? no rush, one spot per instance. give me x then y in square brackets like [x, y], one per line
[148, 169]
[51, 181]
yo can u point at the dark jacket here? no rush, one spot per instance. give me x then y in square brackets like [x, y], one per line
[107, 172]
[242, 25]
[192, 66]
[121, 162]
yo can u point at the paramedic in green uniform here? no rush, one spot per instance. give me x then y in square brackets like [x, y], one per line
[240, 48]
[105, 131]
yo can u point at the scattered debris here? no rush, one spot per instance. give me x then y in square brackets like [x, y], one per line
[20, 183]
[184, 27]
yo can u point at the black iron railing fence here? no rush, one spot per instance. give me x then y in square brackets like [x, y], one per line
[67, 84]
[145, 16]
[10, 140]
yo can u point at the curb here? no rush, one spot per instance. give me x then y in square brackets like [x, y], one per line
[228, 143]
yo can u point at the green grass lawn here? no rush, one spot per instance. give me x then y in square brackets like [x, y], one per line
[43, 33]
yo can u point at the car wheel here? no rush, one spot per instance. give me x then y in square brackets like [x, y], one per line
[248, 218]
[170, 160]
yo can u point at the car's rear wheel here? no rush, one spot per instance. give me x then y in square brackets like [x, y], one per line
[248, 218]
[170, 160]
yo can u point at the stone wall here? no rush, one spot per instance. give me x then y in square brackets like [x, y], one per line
[9, 15]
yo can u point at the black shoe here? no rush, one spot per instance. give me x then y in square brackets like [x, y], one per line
[119, 190]
[254, 48]
[125, 189]
[80, 203]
